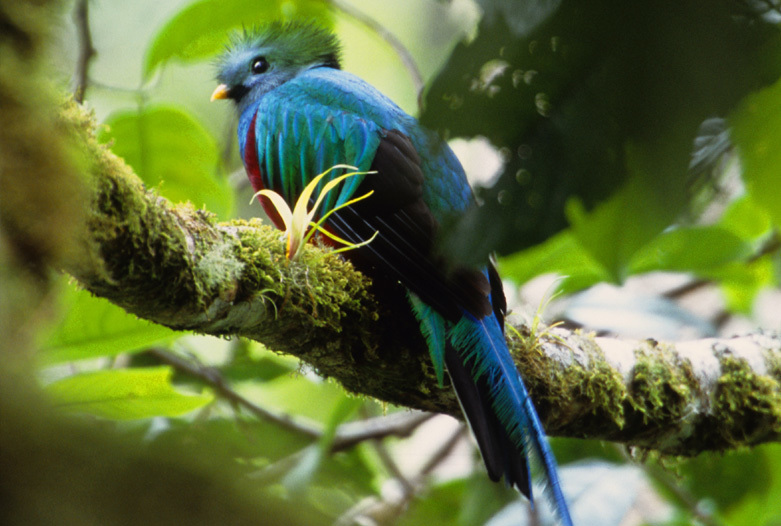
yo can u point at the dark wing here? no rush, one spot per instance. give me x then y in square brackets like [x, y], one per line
[403, 250]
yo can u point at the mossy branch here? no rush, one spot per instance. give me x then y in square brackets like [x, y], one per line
[175, 265]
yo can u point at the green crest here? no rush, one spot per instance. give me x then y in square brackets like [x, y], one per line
[294, 43]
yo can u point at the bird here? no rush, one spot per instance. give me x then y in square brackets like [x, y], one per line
[299, 114]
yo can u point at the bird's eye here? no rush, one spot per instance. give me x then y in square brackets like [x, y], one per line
[259, 65]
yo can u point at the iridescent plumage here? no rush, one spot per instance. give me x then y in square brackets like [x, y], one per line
[299, 115]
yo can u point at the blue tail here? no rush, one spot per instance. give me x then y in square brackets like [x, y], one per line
[494, 400]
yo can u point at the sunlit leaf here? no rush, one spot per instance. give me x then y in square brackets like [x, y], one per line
[294, 394]
[760, 503]
[741, 281]
[93, 327]
[301, 476]
[261, 369]
[748, 473]
[746, 219]
[482, 497]
[171, 151]
[124, 394]
[615, 229]
[442, 505]
[199, 30]
[757, 134]
[690, 249]
[560, 254]
[228, 439]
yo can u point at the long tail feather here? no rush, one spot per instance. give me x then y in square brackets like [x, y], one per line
[481, 347]
[501, 456]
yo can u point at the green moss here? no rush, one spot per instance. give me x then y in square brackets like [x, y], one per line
[662, 384]
[601, 384]
[587, 385]
[746, 404]
[317, 290]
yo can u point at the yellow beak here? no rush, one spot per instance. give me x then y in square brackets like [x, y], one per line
[220, 92]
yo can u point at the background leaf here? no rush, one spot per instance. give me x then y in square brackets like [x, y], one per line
[124, 394]
[170, 150]
[590, 97]
[198, 31]
[94, 327]
[756, 132]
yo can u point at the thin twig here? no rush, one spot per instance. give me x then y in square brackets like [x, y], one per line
[400, 425]
[347, 435]
[406, 57]
[392, 467]
[385, 511]
[213, 378]
[86, 50]
[441, 453]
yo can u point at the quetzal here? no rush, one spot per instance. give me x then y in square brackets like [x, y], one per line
[299, 115]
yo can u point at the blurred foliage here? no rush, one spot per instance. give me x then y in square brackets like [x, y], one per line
[123, 394]
[595, 108]
[616, 121]
[91, 327]
[460, 502]
[198, 31]
[171, 151]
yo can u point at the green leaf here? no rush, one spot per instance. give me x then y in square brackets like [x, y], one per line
[124, 394]
[227, 439]
[482, 498]
[301, 475]
[586, 98]
[617, 228]
[170, 150]
[707, 251]
[453, 502]
[263, 369]
[442, 505]
[756, 131]
[94, 327]
[746, 219]
[694, 249]
[199, 30]
[741, 281]
[561, 254]
[748, 472]
[297, 395]
[760, 503]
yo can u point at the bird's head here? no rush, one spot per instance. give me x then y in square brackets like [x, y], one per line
[260, 60]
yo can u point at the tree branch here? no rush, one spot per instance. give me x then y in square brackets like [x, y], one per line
[86, 49]
[176, 266]
[403, 53]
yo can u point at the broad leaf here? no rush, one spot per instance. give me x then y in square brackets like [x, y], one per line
[760, 503]
[94, 327]
[199, 30]
[301, 476]
[693, 249]
[170, 150]
[757, 134]
[124, 394]
[561, 254]
[584, 99]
